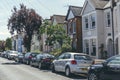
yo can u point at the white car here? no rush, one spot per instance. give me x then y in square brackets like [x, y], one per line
[12, 54]
[72, 63]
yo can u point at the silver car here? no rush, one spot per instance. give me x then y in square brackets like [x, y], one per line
[72, 63]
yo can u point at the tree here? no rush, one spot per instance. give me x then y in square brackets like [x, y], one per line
[55, 34]
[8, 44]
[2, 45]
[24, 20]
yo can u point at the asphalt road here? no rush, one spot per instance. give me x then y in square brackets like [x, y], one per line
[10, 70]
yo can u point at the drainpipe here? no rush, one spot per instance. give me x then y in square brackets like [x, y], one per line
[112, 9]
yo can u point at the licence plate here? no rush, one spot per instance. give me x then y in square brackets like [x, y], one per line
[84, 69]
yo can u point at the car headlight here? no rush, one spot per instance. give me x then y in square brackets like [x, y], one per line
[92, 67]
[88, 68]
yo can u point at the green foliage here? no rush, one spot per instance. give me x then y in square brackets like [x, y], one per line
[56, 52]
[8, 44]
[2, 45]
[56, 34]
[66, 48]
[36, 51]
[24, 20]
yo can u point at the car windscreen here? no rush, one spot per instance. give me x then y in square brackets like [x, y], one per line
[82, 57]
[48, 56]
[34, 54]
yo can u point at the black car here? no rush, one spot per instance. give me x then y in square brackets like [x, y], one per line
[28, 56]
[42, 60]
[108, 70]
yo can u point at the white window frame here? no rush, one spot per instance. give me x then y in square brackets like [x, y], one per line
[86, 44]
[108, 19]
[93, 42]
[86, 23]
[93, 20]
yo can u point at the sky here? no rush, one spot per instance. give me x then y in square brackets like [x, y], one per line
[44, 8]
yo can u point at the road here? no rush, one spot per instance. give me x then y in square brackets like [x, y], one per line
[10, 70]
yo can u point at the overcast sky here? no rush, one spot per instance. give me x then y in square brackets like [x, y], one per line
[44, 8]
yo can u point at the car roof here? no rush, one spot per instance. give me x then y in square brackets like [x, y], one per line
[76, 53]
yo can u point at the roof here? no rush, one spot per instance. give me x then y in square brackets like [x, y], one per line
[99, 3]
[107, 5]
[76, 53]
[75, 10]
[59, 18]
[96, 4]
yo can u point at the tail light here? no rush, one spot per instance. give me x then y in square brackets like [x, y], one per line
[73, 62]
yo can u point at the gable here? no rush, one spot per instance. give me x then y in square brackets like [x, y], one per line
[70, 15]
[87, 8]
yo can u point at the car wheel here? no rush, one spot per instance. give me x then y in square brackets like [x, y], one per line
[92, 76]
[40, 66]
[67, 71]
[53, 68]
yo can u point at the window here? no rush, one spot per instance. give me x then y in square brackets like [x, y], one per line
[82, 57]
[70, 29]
[74, 27]
[67, 56]
[93, 47]
[86, 46]
[108, 19]
[86, 22]
[92, 22]
[61, 56]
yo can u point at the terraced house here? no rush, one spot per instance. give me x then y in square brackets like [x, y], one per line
[93, 27]
[101, 30]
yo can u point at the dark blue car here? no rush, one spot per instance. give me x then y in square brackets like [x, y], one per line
[108, 70]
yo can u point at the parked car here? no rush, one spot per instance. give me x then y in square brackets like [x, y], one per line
[42, 60]
[28, 56]
[11, 54]
[108, 70]
[72, 63]
[3, 54]
[19, 57]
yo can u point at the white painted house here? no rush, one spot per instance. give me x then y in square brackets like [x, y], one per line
[93, 27]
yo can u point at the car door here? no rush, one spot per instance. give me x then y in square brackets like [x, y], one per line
[57, 63]
[64, 61]
[111, 70]
[38, 60]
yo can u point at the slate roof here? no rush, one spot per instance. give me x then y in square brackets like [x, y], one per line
[75, 10]
[100, 4]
